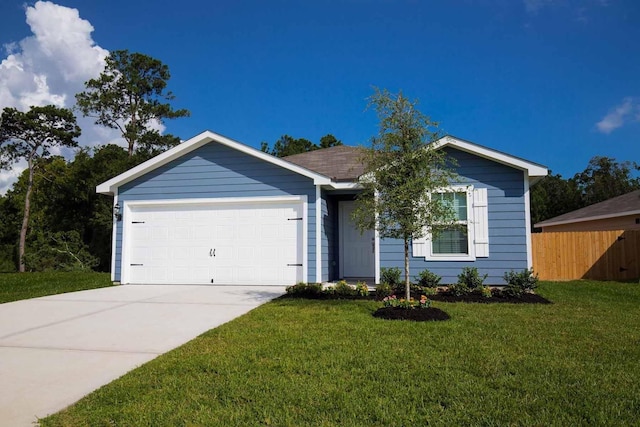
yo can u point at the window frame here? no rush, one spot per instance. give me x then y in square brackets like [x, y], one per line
[469, 222]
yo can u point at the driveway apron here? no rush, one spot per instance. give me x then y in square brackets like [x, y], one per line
[56, 349]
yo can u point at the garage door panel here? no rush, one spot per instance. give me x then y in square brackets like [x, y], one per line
[253, 243]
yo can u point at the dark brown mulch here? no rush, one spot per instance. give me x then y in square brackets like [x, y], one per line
[415, 314]
[496, 298]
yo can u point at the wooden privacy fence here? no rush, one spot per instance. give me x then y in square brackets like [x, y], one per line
[598, 255]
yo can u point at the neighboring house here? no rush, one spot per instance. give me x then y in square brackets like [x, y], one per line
[617, 213]
[213, 210]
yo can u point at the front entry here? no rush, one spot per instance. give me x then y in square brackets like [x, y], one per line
[357, 250]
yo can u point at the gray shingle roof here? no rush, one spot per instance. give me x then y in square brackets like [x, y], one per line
[341, 163]
[626, 204]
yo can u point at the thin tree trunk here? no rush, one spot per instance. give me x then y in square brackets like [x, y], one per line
[25, 220]
[406, 268]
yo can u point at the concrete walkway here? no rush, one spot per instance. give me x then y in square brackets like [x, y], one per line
[56, 349]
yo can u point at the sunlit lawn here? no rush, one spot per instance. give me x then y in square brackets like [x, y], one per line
[299, 362]
[17, 286]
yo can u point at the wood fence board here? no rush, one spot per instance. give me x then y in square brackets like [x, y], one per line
[601, 255]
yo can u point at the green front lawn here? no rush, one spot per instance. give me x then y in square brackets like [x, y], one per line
[17, 286]
[299, 362]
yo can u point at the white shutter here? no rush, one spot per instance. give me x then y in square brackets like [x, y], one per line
[419, 247]
[481, 222]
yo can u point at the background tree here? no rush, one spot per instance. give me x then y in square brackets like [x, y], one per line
[30, 136]
[288, 145]
[129, 95]
[553, 196]
[605, 178]
[602, 179]
[402, 169]
[329, 141]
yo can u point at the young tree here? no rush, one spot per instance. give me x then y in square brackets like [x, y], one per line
[402, 168]
[128, 96]
[30, 136]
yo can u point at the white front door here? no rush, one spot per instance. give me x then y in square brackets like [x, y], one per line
[357, 250]
[227, 244]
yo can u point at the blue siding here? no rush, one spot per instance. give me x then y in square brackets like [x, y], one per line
[507, 225]
[325, 237]
[215, 171]
[330, 236]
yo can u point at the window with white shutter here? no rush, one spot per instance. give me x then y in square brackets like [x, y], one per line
[469, 238]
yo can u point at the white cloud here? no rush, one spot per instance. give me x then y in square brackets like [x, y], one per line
[619, 116]
[50, 67]
[8, 177]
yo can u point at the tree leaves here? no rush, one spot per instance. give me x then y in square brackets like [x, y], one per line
[129, 96]
[288, 146]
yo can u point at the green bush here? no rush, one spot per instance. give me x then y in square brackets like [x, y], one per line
[393, 301]
[362, 289]
[459, 289]
[429, 291]
[390, 276]
[63, 251]
[7, 258]
[383, 290]
[485, 291]
[305, 289]
[471, 278]
[343, 289]
[520, 282]
[427, 279]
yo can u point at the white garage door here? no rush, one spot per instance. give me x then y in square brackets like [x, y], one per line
[225, 244]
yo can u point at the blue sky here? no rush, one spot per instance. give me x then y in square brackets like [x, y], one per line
[554, 81]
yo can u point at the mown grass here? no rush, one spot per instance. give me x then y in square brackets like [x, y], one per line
[17, 286]
[324, 363]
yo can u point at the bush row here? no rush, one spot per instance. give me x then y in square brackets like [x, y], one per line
[469, 280]
[340, 289]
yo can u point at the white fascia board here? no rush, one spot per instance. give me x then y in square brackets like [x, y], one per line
[533, 170]
[586, 219]
[349, 185]
[108, 187]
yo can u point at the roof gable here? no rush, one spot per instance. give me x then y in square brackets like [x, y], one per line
[534, 171]
[338, 166]
[110, 186]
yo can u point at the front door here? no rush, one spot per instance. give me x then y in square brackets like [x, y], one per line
[357, 250]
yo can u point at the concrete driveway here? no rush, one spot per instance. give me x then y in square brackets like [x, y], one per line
[56, 349]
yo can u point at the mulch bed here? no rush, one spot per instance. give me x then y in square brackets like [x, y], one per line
[496, 298]
[415, 314]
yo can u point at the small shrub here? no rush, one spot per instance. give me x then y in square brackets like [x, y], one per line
[343, 289]
[393, 301]
[429, 291]
[471, 278]
[485, 291]
[520, 282]
[458, 289]
[427, 279]
[305, 289]
[362, 289]
[390, 276]
[383, 290]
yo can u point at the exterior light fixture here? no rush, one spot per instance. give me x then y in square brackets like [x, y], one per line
[117, 212]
